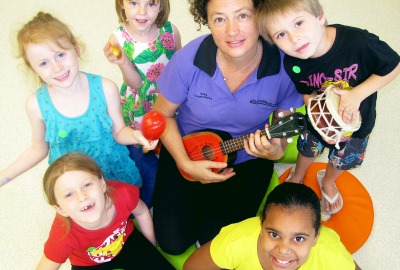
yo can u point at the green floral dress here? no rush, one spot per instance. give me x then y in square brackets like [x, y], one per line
[150, 60]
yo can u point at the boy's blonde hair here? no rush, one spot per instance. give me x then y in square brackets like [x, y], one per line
[44, 27]
[162, 17]
[70, 162]
[269, 9]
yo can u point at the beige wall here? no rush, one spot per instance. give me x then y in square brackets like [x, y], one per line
[25, 218]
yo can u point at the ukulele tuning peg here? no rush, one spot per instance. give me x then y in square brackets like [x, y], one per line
[281, 114]
[291, 110]
[289, 140]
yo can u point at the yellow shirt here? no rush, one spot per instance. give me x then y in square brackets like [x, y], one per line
[235, 247]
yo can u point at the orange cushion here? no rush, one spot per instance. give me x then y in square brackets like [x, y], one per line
[354, 221]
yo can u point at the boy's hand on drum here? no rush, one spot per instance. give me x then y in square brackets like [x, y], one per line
[349, 104]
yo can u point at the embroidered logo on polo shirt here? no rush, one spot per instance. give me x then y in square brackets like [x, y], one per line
[262, 102]
[203, 95]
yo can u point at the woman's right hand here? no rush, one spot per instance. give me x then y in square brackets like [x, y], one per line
[201, 171]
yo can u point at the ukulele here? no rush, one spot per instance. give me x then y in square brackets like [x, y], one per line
[217, 145]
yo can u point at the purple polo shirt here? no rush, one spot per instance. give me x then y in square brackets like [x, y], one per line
[193, 80]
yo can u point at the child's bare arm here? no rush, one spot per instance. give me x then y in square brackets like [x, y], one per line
[38, 149]
[145, 221]
[129, 73]
[306, 98]
[201, 259]
[121, 132]
[350, 100]
[46, 264]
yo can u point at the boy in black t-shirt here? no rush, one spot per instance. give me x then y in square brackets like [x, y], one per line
[317, 53]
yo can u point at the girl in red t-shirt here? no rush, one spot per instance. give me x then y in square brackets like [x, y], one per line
[92, 227]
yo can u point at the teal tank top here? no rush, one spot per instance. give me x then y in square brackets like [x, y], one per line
[90, 133]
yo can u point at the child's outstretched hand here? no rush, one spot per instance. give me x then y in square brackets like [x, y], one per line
[140, 139]
[114, 53]
[3, 179]
[349, 104]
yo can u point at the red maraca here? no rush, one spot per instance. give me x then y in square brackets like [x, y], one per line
[153, 125]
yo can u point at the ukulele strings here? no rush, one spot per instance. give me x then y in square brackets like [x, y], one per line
[237, 140]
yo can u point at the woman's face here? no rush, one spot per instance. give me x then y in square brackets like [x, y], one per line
[232, 24]
[286, 238]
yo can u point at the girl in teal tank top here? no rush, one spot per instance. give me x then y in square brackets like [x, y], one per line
[89, 133]
[72, 111]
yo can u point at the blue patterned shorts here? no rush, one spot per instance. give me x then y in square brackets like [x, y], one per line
[349, 157]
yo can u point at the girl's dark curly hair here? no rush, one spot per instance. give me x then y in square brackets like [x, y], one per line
[291, 195]
[198, 8]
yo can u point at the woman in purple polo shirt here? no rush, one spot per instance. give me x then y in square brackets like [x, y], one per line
[231, 80]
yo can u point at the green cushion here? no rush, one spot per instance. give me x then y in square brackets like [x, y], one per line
[178, 260]
[301, 109]
[274, 182]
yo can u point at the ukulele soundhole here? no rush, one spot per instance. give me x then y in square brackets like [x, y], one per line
[207, 152]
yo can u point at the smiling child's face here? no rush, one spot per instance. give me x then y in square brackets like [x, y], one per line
[299, 33]
[81, 197]
[286, 238]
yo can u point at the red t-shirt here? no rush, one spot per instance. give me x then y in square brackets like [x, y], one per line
[86, 247]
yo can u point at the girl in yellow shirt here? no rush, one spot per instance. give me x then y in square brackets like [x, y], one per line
[288, 235]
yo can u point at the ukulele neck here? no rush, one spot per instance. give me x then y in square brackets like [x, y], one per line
[286, 127]
[236, 144]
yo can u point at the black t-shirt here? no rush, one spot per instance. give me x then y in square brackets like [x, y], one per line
[355, 55]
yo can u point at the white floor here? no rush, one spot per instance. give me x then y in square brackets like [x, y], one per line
[25, 217]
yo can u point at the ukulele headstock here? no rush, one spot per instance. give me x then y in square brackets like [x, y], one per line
[288, 126]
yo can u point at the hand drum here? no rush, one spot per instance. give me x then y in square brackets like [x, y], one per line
[323, 114]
